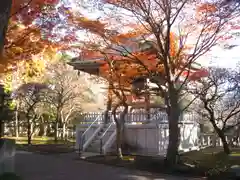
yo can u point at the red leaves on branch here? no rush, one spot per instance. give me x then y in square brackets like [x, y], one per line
[93, 26]
[24, 39]
[28, 10]
[207, 7]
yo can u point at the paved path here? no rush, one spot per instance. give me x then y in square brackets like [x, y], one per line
[45, 167]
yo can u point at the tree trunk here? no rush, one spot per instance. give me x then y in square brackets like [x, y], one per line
[119, 141]
[174, 132]
[56, 131]
[120, 129]
[29, 134]
[64, 131]
[48, 130]
[56, 124]
[109, 106]
[16, 124]
[5, 9]
[1, 129]
[41, 129]
[35, 132]
[225, 143]
[222, 136]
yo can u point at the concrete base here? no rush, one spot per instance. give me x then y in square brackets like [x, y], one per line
[7, 156]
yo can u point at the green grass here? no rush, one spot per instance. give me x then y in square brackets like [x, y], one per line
[212, 160]
[39, 140]
[44, 146]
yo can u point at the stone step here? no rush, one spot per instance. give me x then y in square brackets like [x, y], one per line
[95, 145]
[93, 148]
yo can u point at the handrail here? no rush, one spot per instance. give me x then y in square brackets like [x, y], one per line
[110, 139]
[82, 136]
[91, 124]
[104, 133]
[106, 130]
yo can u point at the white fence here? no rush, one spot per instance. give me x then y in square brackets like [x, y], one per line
[150, 139]
[211, 139]
[135, 117]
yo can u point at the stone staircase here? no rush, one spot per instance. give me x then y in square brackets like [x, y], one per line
[95, 145]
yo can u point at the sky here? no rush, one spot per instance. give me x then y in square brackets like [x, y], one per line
[217, 56]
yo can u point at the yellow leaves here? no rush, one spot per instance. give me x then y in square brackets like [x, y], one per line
[173, 44]
[34, 37]
[23, 42]
[17, 50]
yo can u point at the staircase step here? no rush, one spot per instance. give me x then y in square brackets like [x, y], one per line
[95, 143]
[94, 146]
[93, 150]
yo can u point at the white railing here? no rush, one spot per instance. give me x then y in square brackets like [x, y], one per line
[89, 140]
[103, 135]
[92, 116]
[82, 138]
[211, 139]
[109, 142]
[134, 117]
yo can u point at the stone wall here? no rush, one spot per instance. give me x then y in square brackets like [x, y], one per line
[7, 155]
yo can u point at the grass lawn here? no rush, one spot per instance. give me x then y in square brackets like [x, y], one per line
[211, 157]
[45, 145]
[39, 140]
[207, 162]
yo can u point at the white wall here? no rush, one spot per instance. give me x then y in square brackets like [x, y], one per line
[144, 137]
[151, 138]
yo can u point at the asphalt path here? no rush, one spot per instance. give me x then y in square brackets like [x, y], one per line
[32, 166]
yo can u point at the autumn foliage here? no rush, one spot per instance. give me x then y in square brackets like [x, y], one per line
[29, 9]
[24, 36]
[152, 44]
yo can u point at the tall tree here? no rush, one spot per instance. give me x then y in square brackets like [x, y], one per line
[68, 91]
[29, 96]
[170, 34]
[217, 97]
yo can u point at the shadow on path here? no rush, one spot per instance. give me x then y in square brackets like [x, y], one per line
[32, 166]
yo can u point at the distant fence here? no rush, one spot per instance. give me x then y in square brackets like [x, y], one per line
[211, 139]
